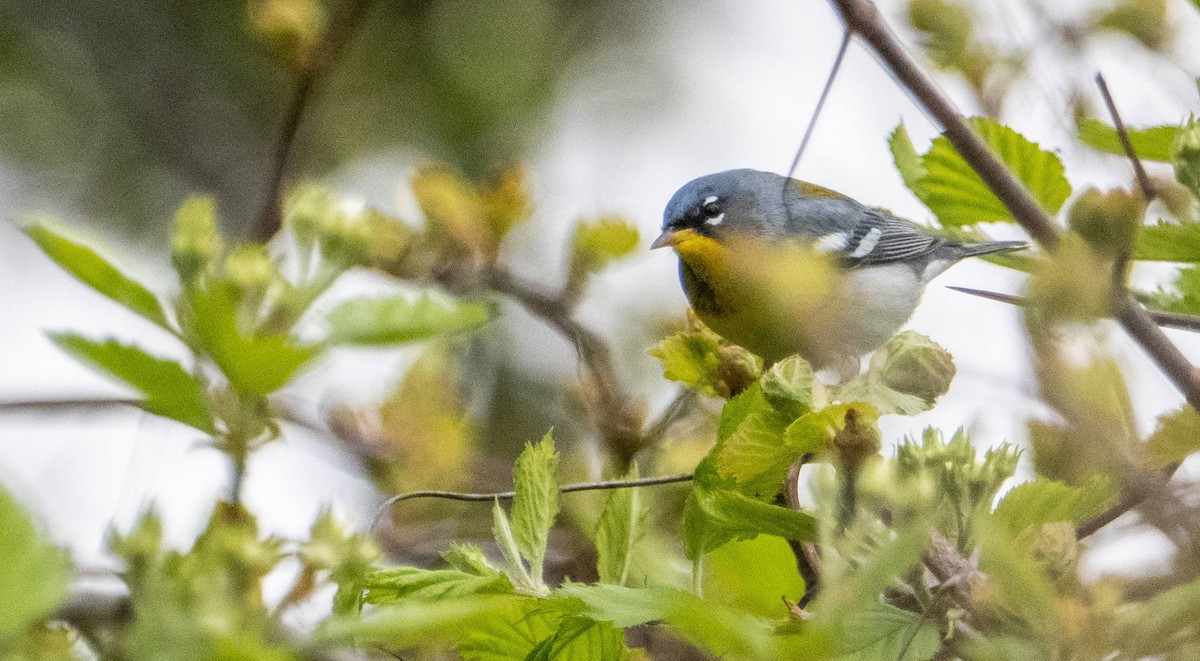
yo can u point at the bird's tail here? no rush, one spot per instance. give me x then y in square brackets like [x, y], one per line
[989, 247]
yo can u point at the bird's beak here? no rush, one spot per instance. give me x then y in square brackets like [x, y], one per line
[667, 238]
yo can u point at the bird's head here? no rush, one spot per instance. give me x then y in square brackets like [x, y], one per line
[735, 202]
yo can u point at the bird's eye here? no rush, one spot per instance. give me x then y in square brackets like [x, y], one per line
[711, 210]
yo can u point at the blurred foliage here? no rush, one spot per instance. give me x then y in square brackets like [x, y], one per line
[911, 548]
[116, 109]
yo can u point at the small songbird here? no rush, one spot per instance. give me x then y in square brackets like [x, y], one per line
[722, 225]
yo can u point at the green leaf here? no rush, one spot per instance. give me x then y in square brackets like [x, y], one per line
[535, 505]
[398, 319]
[394, 583]
[580, 639]
[416, 622]
[470, 559]
[169, 390]
[788, 385]
[512, 634]
[1046, 501]
[755, 456]
[908, 163]
[1154, 628]
[714, 517]
[886, 633]
[253, 363]
[956, 194]
[735, 410]
[1169, 242]
[1153, 143]
[906, 376]
[596, 244]
[33, 573]
[1175, 439]
[502, 532]
[622, 524]
[690, 358]
[752, 575]
[92, 269]
[717, 628]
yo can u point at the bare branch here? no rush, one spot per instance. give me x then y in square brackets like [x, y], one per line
[343, 26]
[1175, 320]
[508, 495]
[812, 122]
[1149, 191]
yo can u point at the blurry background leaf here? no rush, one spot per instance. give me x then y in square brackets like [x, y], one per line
[33, 573]
[1176, 438]
[1046, 501]
[85, 264]
[169, 390]
[1155, 143]
[398, 319]
[597, 243]
[254, 363]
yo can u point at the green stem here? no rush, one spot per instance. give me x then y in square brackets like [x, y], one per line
[698, 576]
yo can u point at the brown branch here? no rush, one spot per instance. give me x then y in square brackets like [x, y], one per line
[1175, 320]
[864, 20]
[599, 485]
[314, 72]
[1149, 191]
[613, 410]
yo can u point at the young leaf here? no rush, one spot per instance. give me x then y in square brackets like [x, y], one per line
[399, 319]
[622, 523]
[535, 505]
[1175, 439]
[956, 194]
[470, 559]
[749, 401]
[596, 244]
[908, 163]
[580, 639]
[714, 517]
[502, 532]
[416, 622]
[1154, 143]
[253, 363]
[789, 384]
[169, 390]
[512, 634]
[886, 633]
[33, 573]
[716, 627]
[690, 358]
[1168, 242]
[1046, 501]
[395, 583]
[92, 269]
[755, 455]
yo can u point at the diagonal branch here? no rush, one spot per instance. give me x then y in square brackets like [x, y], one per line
[863, 19]
[1147, 185]
[314, 72]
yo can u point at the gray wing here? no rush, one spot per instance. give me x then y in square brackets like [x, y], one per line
[860, 235]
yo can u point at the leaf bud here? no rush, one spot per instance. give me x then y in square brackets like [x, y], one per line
[197, 242]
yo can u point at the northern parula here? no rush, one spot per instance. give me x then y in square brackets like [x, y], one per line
[722, 225]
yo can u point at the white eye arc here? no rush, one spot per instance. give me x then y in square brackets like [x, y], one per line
[717, 220]
[710, 199]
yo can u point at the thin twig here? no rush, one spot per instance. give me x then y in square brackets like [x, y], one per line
[863, 19]
[324, 56]
[812, 122]
[1149, 191]
[1174, 320]
[507, 495]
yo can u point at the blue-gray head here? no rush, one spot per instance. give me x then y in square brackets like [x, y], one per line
[748, 202]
